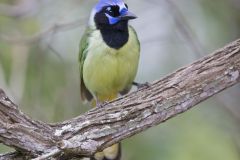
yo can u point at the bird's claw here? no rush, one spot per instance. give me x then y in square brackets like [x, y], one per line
[101, 104]
[141, 85]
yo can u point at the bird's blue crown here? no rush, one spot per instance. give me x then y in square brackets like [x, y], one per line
[103, 3]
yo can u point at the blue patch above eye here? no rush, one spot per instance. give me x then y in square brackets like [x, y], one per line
[112, 20]
[123, 11]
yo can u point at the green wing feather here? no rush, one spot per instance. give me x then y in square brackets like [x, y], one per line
[128, 88]
[85, 93]
[135, 33]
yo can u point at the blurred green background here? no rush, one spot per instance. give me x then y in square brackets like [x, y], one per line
[39, 68]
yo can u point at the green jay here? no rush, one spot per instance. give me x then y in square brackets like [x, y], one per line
[109, 57]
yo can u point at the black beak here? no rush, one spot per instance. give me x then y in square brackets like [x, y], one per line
[127, 16]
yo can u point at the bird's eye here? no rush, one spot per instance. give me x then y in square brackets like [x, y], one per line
[109, 9]
[112, 11]
[126, 5]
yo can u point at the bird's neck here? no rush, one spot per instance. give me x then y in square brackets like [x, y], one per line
[115, 36]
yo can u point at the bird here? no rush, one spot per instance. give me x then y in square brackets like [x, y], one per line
[109, 58]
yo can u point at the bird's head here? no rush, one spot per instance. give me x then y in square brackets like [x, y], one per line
[108, 13]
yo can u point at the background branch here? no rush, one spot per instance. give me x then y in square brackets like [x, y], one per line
[124, 117]
[44, 33]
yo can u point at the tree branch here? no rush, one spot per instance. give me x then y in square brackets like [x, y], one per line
[14, 156]
[124, 117]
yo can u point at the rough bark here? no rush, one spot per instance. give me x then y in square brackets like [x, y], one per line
[121, 118]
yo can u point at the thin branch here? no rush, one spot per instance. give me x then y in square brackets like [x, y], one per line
[43, 34]
[124, 117]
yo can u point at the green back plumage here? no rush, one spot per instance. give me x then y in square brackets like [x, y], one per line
[85, 94]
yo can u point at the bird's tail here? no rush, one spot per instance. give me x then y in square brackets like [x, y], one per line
[110, 153]
[113, 152]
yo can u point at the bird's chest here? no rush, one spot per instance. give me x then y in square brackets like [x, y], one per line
[107, 70]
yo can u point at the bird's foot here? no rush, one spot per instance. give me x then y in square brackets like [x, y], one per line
[141, 85]
[101, 104]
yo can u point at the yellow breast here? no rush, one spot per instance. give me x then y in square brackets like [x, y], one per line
[108, 71]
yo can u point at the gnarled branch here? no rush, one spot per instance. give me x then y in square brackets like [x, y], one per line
[124, 117]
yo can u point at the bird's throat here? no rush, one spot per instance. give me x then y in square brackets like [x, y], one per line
[115, 37]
